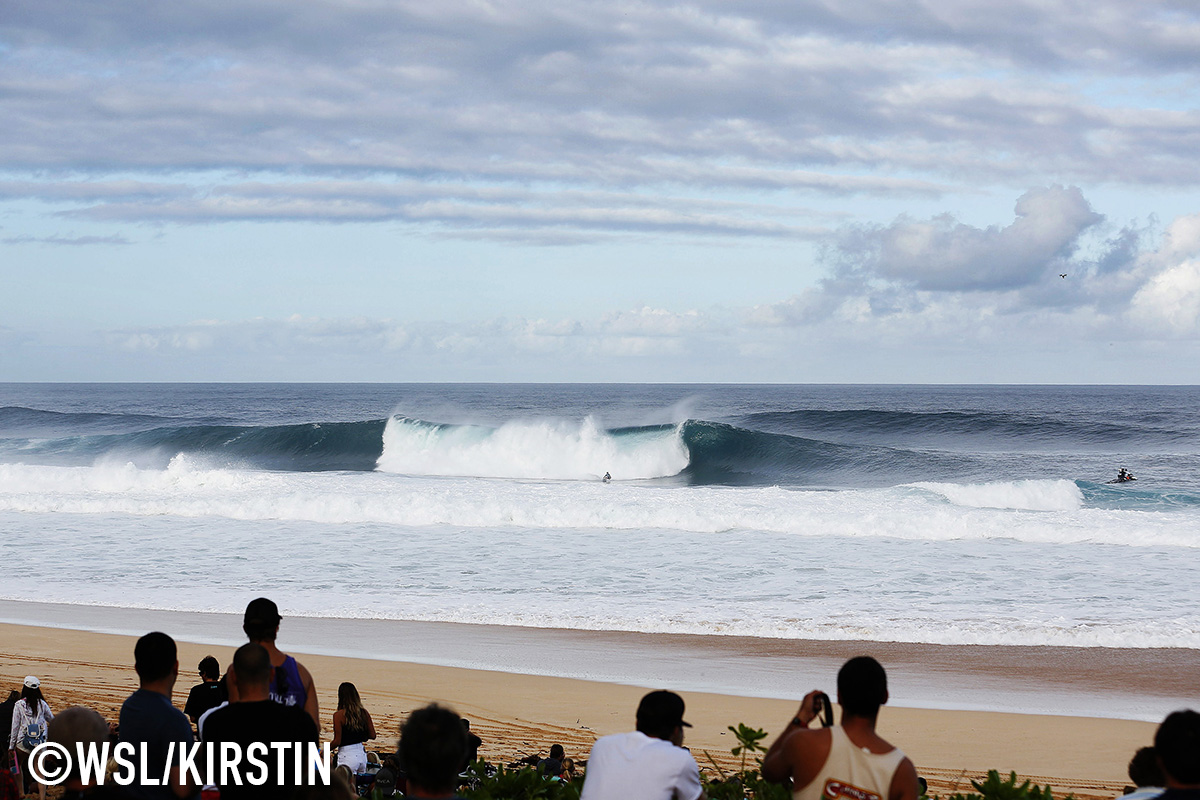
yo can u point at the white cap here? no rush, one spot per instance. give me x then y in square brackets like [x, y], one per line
[32, 682]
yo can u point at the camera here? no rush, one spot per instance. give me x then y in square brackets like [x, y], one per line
[823, 709]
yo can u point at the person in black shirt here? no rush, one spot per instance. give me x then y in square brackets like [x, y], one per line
[352, 728]
[553, 766]
[473, 742]
[151, 723]
[6, 715]
[433, 746]
[1177, 743]
[255, 717]
[209, 694]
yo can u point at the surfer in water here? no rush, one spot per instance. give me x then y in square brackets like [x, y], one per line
[606, 477]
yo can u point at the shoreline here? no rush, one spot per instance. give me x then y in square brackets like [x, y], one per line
[519, 714]
[1107, 683]
[1110, 683]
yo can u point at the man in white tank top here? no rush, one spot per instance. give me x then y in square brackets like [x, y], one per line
[846, 762]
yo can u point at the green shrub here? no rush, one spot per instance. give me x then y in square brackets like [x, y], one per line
[745, 783]
[524, 783]
[993, 788]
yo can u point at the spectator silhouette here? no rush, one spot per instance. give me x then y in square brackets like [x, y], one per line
[851, 756]
[433, 747]
[209, 693]
[75, 726]
[255, 718]
[1147, 777]
[648, 763]
[552, 766]
[150, 722]
[352, 728]
[1177, 743]
[291, 684]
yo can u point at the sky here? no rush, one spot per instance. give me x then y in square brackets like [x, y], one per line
[810, 191]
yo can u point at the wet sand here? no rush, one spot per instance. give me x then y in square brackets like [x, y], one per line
[1142, 684]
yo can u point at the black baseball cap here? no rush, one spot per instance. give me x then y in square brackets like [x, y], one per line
[660, 710]
[262, 611]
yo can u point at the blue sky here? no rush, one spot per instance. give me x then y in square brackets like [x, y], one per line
[575, 191]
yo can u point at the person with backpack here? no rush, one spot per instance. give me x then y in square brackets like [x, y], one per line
[30, 719]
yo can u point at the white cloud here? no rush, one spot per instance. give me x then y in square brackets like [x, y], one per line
[806, 97]
[924, 282]
[71, 241]
[1140, 287]
[484, 211]
[943, 254]
[759, 125]
[639, 331]
[1169, 302]
[653, 322]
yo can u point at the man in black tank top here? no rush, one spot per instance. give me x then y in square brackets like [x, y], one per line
[255, 718]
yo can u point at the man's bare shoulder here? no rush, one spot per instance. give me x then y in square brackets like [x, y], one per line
[808, 750]
[904, 782]
[810, 735]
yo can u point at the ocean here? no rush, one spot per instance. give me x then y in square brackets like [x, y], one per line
[924, 514]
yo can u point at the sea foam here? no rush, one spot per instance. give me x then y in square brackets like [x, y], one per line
[547, 449]
[186, 489]
[1026, 495]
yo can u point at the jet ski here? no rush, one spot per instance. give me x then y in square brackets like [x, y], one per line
[1123, 476]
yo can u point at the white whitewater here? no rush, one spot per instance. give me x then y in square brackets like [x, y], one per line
[530, 449]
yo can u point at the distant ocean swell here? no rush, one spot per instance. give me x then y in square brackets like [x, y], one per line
[310, 447]
[1142, 428]
[853, 451]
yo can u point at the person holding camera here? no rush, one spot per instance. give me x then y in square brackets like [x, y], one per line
[849, 761]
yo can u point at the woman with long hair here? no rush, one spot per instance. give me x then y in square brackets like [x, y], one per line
[352, 726]
[31, 717]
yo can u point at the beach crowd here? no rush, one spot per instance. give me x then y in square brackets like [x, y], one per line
[253, 731]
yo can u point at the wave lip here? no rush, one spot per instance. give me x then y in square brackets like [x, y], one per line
[531, 449]
[1024, 495]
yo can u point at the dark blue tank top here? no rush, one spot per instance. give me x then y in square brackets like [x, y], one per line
[286, 685]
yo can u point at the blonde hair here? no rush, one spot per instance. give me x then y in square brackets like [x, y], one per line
[349, 702]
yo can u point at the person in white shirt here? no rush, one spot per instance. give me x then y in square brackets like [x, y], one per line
[30, 720]
[649, 763]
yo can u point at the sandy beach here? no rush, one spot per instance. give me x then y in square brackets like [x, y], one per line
[519, 714]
